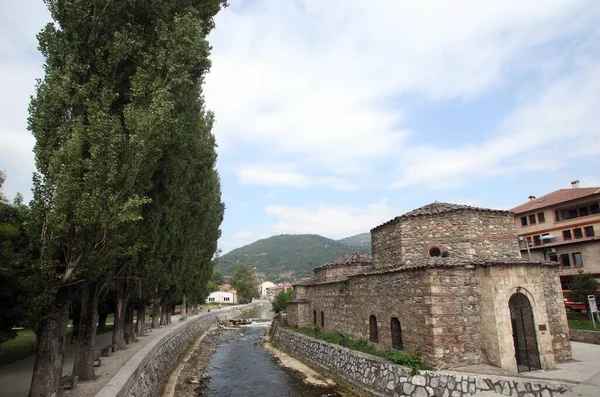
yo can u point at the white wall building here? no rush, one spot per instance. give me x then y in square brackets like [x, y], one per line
[262, 289]
[222, 297]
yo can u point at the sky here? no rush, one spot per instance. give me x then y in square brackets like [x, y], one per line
[335, 116]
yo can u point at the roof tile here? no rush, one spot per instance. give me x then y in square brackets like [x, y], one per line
[556, 197]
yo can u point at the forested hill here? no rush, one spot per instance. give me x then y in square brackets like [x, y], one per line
[287, 256]
[361, 241]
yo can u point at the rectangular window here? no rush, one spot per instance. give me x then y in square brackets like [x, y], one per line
[537, 240]
[566, 235]
[583, 211]
[589, 231]
[578, 233]
[577, 259]
[532, 219]
[573, 213]
[541, 217]
[529, 241]
[553, 257]
[546, 240]
[564, 259]
[523, 221]
[595, 209]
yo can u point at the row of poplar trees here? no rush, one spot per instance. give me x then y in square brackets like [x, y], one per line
[126, 190]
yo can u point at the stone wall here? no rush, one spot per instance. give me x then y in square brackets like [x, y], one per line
[464, 234]
[438, 310]
[372, 376]
[337, 271]
[580, 335]
[557, 317]
[147, 371]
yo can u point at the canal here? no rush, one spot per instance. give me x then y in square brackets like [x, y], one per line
[232, 362]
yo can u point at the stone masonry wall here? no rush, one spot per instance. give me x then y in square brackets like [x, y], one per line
[557, 317]
[581, 335]
[438, 310]
[464, 234]
[147, 371]
[372, 376]
[454, 317]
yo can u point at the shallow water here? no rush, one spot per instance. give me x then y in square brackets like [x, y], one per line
[241, 367]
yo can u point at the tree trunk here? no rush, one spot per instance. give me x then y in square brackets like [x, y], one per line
[101, 322]
[141, 318]
[165, 308]
[184, 306]
[50, 353]
[156, 311]
[119, 327]
[129, 327]
[83, 365]
[76, 320]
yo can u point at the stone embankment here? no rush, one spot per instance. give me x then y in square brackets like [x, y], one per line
[371, 376]
[147, 371]
[580, 335]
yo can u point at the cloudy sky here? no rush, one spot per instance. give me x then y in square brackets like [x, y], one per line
[334, 116]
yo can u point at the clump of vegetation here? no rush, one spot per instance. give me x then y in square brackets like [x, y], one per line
[281, 301]
[411, 360]
[581, 286]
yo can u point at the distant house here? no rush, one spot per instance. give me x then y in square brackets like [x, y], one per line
[226, 294]
[263, 287]
[277, 289]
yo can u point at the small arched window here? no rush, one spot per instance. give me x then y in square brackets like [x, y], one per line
[396, 334]
[373, 331]
[314, 317]
[322, 319]
[435, 251]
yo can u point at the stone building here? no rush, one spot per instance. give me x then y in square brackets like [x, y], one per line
[449, 280]
[562, 226]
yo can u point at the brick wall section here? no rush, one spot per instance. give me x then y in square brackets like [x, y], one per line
[465, 234]
[371, 376]
[557, 318]
[580, 335]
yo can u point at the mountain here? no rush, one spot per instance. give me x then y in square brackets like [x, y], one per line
[286, 257]
[362, 242]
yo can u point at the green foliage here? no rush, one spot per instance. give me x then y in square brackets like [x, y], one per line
[18, 348]
[217, 277]
[278, 255]
[359, 242]
[244, 282]
[581, 286]
[15, 260]
[585, 324]
[280, 302]
[411, 360]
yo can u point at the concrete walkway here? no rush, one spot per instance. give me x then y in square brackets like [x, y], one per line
[15, 378]
[583, 372]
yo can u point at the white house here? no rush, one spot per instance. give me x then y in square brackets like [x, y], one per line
[262, 289]
[222, 297]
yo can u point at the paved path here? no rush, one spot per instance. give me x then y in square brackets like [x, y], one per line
[15, 378]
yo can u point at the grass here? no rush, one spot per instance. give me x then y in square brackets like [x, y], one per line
[17, 349]
[582, 321]
[411, 360]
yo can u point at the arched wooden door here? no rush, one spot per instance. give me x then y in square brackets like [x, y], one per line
[524, 336]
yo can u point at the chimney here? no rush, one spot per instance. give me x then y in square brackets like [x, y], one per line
[531, 197]
[575, 184]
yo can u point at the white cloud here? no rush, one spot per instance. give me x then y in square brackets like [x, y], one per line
[287, 175]
[544, 132]
[330, 221]
[312, 80]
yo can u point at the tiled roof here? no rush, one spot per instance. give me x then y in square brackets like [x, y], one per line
[556, 197]
[437, 208]
[350, 259]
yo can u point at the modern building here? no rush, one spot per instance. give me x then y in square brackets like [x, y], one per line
[562, 226]
[449, 280]
[263, 289]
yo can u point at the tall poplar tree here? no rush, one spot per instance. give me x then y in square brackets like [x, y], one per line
[103, 116]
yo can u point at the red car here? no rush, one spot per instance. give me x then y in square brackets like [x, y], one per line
[571, 306]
